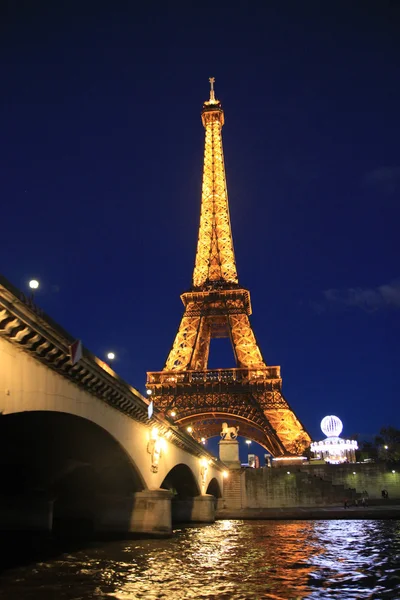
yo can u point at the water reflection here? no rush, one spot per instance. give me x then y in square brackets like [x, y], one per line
[359, 559]
[228, 560]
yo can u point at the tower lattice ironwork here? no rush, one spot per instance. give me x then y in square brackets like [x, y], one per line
[249, 396]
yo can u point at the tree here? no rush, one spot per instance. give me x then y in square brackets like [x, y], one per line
[366, 450]
[388, 444]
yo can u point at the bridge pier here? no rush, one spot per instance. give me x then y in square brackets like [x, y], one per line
[198, 509]
[26, 513]
[146, 512]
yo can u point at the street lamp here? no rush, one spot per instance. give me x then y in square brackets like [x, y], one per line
[149, 392]
[248, 442]
[33, 284]
[189, 429]
[110, 355]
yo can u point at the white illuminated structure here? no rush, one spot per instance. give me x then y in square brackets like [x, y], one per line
[334, 449]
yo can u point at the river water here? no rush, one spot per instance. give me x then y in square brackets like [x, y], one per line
[230, 559]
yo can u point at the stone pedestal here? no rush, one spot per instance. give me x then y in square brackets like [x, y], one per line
[200, 509]
[147, 512]
[229, 453]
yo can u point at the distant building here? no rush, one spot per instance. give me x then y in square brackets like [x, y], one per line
[333, 449]
[253, 461]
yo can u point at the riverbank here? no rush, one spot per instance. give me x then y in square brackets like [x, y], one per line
[314, 513]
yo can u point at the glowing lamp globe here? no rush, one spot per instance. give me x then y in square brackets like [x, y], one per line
[333, 449]
[331, 426]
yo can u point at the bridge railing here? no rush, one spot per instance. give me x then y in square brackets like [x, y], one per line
[214, 375]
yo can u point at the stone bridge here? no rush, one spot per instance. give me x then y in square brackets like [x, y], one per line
[78, 451]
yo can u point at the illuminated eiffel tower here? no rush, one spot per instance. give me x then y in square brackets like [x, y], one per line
[250, 395]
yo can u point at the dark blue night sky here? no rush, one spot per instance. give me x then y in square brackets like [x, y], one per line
[101, 165]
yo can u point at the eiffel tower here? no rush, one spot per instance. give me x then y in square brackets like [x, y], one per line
[250, 395]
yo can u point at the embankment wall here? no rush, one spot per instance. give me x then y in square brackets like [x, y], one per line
[371, 477]
[308, 485]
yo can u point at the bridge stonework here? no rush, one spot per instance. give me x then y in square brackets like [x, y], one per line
[61, 437]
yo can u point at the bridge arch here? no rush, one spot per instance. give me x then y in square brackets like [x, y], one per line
[214, 488]
[61, 443]
[67, 460]
[182, 482]
[31, 387]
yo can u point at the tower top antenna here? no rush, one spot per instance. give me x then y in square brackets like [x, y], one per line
[212, 93]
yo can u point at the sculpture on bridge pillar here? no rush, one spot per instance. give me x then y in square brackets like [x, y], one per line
[203, 473]
[229, 433]
[154, 447]
[229, 446]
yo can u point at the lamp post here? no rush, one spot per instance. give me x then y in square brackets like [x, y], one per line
[110, 357]
[248, 442]
[33, 286]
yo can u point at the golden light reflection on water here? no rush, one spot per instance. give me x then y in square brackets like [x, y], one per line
[232, 560]
[238, 560]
